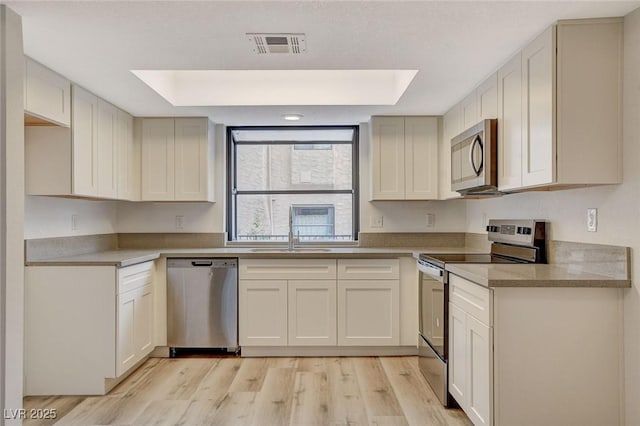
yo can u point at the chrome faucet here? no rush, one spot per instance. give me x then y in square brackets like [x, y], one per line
[292, 240]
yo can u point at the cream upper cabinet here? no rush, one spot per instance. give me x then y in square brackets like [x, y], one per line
[470, 112]
[158, 159]
[569, 114]
[510, 124]
[84, 137]
[387, 158]
[128, 167]
[176, 159]
[191, 159]
[487, 98]
[93, 158]
[47, 96]
[404, 158]
[107, 150]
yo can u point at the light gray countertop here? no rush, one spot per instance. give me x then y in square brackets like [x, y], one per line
[122, 258]
[535, 275]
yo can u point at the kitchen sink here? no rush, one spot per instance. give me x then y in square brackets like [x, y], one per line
[295, 250]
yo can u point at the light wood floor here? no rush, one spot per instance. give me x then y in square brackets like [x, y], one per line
[261, 391]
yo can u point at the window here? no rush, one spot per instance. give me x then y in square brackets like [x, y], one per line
[312, 170]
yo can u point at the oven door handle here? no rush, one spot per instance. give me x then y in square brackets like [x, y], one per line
[431, 271]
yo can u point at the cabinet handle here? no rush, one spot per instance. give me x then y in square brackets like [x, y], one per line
[477, 140]
[202, 263]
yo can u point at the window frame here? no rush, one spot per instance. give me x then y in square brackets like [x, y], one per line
[231, 186]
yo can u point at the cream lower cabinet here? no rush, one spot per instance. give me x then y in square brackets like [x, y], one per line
[312, 313]
[85, 326]
[298, 302]
[135, 315]
[471, 349]
[368, 302]
[513, 350]
[263, 312]
[287, 302]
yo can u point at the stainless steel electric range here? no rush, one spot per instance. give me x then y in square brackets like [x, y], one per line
[514, 241]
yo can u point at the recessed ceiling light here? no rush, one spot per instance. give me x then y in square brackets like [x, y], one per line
[278, 87]
[292, 117]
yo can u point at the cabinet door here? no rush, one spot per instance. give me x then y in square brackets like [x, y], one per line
[47, 95]
[538, 79]
[487, 98]
[421, 158]
[479, 372]
[144, 321]
[126, 342]
[458, 355]
[158, 159]
[470, 113]
[368, 313]
[85, 142]
[107, 150]
[510, 124]
[451, 126]
[312, 312]
[262, 313]
[191, 159]
[387, 158]
[126, 156]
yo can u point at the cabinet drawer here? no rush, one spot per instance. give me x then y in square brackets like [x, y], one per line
[287, 269]
[135, 276]
[368, 269]
[472, 298]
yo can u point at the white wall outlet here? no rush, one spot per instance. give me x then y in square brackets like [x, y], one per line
[377, 221]
[179, 222]
[74, 222]
[431, 220]
[592, 220]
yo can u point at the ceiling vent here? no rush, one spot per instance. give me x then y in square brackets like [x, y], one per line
[268, 43]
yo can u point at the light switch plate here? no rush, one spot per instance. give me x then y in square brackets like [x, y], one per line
[74, 222]
[179, 222]
[592, 220]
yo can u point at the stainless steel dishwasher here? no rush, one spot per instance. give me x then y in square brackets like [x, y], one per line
[202, 303]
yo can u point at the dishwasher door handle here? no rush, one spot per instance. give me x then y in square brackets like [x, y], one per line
[202, 263]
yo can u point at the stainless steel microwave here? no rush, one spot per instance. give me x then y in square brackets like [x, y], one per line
[474, 160]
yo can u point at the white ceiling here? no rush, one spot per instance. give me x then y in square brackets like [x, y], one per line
[454, 45]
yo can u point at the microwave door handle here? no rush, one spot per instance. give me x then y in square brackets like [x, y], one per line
[476, 141]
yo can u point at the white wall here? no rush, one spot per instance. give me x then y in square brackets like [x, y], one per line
[403, 216]
[618, 213]
[12, 204]
[161, 217]
[47, 217]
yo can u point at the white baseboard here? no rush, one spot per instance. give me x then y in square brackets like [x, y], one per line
[319, 351]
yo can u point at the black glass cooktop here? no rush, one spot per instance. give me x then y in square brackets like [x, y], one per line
[441, 259]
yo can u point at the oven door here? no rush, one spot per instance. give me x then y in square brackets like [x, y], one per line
[432, 308]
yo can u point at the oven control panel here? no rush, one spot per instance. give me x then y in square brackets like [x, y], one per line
[516, 231]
